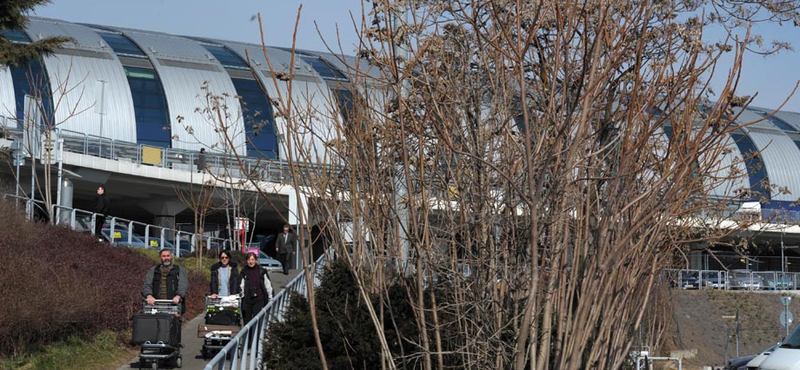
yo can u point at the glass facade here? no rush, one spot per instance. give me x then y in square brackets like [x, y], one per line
[226, 57]
[121, 44]
[323, 68]
[150, 107]
[756, 170]
[259, 121]
[31, 79]
[344, 99]
[16, 36]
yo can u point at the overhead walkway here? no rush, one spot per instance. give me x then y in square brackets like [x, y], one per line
[147, 178]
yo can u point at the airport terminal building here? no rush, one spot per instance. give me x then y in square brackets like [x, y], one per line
[132, 108]
[129, 105]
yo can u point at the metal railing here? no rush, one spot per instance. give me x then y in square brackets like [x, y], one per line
[180, 159]
[156, 237]
[246, 348]
[738, 279]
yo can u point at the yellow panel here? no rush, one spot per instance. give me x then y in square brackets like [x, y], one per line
[151, 155]
[154, 243]
[117, 235]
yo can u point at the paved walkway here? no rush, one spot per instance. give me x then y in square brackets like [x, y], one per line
[192, 359]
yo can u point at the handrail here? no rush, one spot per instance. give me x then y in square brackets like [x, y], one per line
[102, 147]
[75, 215]
[247, 349]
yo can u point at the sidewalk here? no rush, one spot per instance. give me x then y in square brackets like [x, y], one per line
[192, 359]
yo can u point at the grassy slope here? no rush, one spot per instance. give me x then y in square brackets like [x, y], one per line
[698, 324]
[56, 277]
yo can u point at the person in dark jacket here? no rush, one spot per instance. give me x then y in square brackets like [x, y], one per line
[201, 160]
[102, 208]
[255, 287]
[224, 276]
[166, 281]
[284, 245]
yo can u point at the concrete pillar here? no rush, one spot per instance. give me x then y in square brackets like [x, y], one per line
[167, 222]
[696, 261]
[64, 215]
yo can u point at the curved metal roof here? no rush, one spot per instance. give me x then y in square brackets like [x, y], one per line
[184, 65]
[778, 141]
[85, 38]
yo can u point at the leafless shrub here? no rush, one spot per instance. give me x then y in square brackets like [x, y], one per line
[532, 166]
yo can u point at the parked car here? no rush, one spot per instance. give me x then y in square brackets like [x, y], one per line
[689, 280]
[744, 279]
[786, 356]
[121, 237]
[739, 363]
[713, 279]
[758, 359]
[778, 282]
[265, 260]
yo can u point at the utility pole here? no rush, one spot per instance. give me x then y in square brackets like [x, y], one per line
[401, 197]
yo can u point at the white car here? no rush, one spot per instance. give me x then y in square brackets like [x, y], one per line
[785, 357]
[756, 361]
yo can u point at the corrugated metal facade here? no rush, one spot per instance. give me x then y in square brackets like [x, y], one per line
[91, 95]
[311, 97]
[90, 91]
[185, 96]
[729, 166]
[8, 106]
[791, 118]
[781, 157]
[185, 67]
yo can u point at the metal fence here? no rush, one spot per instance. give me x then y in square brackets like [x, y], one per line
[733, 279]
[262, 169]
[122, 231]
[246, 348]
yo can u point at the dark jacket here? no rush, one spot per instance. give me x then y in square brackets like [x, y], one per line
[265, 284]
[286, 246]
[103, 205]
[177, 282]
[233, 278]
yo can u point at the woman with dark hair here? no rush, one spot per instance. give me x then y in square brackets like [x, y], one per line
[224, 276]
[256, 288]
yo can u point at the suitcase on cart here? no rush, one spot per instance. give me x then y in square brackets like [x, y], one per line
[158, 331]
[223, 319]
[156, 328]
[225, 316]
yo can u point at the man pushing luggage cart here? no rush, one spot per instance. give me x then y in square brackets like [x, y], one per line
[158, 331]
[158, 328]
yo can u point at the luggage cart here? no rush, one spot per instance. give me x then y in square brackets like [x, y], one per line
[217, 334]
[167, 346]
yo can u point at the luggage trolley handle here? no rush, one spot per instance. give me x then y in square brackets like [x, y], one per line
[162, 306]
[229, 301]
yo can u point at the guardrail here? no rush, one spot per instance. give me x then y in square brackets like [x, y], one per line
[156, 237]
[246, 348]
[737, 279]
[180, 159]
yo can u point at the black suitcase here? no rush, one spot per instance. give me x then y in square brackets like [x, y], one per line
[156, 328]
[222, 317]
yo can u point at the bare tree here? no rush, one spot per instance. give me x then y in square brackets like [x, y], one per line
[51, 103]
[526, 170]
[203, 200]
